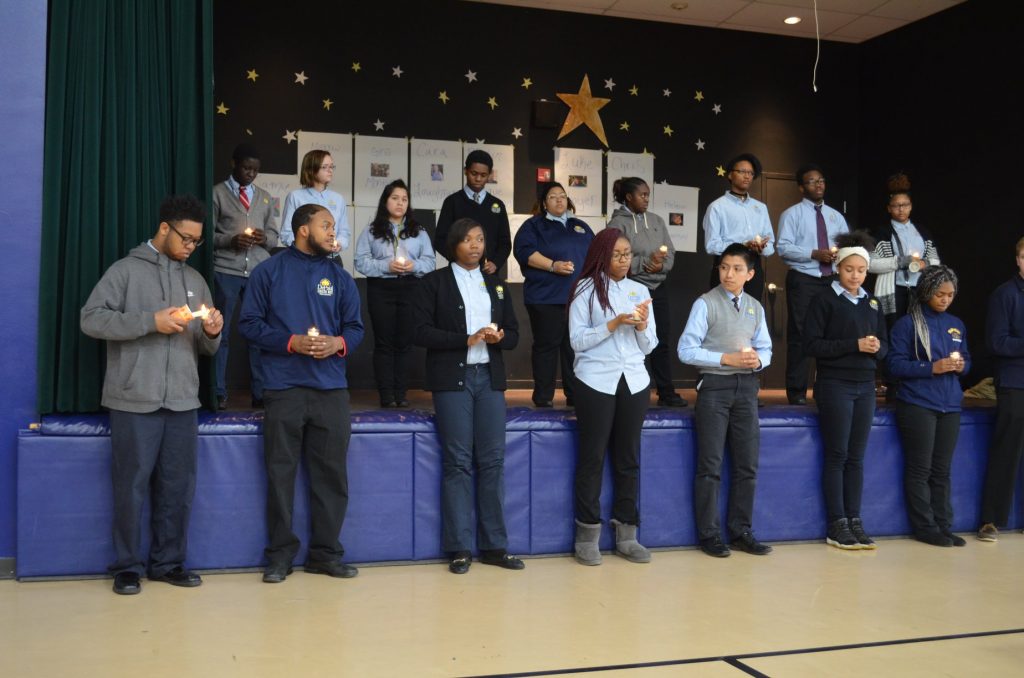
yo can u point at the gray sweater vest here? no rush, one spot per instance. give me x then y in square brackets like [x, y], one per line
[729, 330]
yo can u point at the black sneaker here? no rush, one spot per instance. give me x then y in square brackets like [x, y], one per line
[672, 400]
[935, 538]
[749, 543]
[955, 538]
[839, 535]
[715, 547]
[857, 529]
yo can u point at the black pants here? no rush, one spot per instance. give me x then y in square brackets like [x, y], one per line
[800, 289]
[726, 409]
[312, 423]
[390, 304]
[154, 457]
[1003, 457]
[754, 287]
[550, 326]
[659, 361]
[846, 410]
[929, 438]
[605, 421]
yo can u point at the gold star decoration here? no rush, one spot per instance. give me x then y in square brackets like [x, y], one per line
[667, 129]
[526, 83]
[252, 75]
[624, 125]
[646, 152]
[720, 170]
[443, 96]
[355, 66]
[583, 108]
[301, 77]
[699, 96]
[492, 102]
[634, 90]
[327, 104]
[222, 109]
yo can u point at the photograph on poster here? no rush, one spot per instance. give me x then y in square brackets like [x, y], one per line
[577, 180]
[675, 218]
[501, 182]
[379, 169]
[437, 172]
[493, 179]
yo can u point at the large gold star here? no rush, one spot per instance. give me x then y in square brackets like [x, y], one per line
[583, 110]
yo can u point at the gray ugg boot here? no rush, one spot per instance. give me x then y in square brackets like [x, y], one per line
[587, 550]
[626, 544]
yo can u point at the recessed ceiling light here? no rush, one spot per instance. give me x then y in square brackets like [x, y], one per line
[679, 5]
[791, 20]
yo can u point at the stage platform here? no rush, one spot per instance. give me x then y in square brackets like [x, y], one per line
[64, 499]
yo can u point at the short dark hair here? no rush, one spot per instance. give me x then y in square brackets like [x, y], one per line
[542, 196]
[182, 207]
[804, 169]
[243, 151]
[749, 157]
[482, 157]
[738, 249]
[304, 215]
[458, 232]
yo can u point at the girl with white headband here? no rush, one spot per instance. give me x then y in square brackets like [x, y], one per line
[845, 330]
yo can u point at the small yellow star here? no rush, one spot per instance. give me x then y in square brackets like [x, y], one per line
[634, 90]
[646, 152]
[526, 83]
[327, 104]
[493, 103]
[667, 129]
[720, 170]
[252, 75]
[443, 96]
[356, 66]
[624, 126]
[699, 96]
[222, 109]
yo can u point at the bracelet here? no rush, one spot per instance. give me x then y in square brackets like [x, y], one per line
[551, 269]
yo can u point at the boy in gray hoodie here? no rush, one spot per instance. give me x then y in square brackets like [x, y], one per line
[143, 307]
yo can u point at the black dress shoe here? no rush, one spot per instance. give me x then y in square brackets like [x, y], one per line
[388, 404]
[334, 568]
[222, 402]
[276, 573]
[257, 403]
[747, 542]
[714, 546]
[459, 562]
[796, 398]
[127, 583]
[542, 403]
[672, 400]
[179, 576]
[502, 559]
[401, 402]
[955, 538]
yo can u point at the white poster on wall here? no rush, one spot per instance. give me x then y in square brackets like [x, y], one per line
[502, 181]
[627, 165]
[579, 171]
[677, 205]
[436, 172]
[513, 273]
[340, 148]
[596, 222]
[378, 162]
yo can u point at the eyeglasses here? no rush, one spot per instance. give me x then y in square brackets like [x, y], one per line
[815, 182]
[622, 256]
[187, 240]
[557, 196]
[329, 167]
[746, 173]
[899, 205]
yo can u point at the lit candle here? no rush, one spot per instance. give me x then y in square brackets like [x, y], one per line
[400, 260]
[834, 250]
[202, 313]
[313, 331]
[872, 337]
[493, 326]
[663, 249]
[955, 355]
[249, 231]
[757, 240]
[747, 349]
[916, 255]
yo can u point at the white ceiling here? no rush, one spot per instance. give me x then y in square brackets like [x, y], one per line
[840, 20]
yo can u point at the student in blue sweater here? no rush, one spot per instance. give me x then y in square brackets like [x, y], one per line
[928, 354]
[845, 330]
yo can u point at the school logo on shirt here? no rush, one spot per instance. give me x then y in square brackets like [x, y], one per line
[873, 304]
[634, 297]
[579, 229]
[189, 293]
[954, 334]
[500, 291]
[750, 310]
[332, 204]
[495, 208]
[324, 288]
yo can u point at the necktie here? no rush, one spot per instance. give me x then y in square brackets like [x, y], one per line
[736, 303]
[476, 198]
[243, 197]
[826, 269]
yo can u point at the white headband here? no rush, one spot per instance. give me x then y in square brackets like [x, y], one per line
[847, 251]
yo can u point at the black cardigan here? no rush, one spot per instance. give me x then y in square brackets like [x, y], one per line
[832, 327]
[440, 326]
[491, 215]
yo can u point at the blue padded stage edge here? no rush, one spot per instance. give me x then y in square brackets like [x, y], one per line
[64, 498]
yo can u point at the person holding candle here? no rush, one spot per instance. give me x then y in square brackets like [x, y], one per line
[928, 353]
[151, 388]
[393, 254]
[612, 331]
[807, 233]
[737, 217]
[315, 173]
[302, 312]
[465, 320]
[726, 338]
[1005, 340]
[244, 232]
[653, 257]
[845, 331]
[550, 248]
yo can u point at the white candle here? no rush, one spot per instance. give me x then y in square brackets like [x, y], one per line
[747, 349]
[313, 331]
[663, 249]
[248, 231]
[400, 260]
[202, 313]
[493, 326]
[834, 250]
[916, 255]
[955, 355]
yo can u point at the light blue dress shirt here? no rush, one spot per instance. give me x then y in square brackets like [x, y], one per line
[233, 186]
[332, 200]
[482, 195]
[477, 301]
[730, 219]
[603, 357]
[842, 292]
[911, 241]
[798, 235]
[373, 256]
[690, 348]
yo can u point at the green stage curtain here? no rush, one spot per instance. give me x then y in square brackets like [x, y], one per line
[129, 119]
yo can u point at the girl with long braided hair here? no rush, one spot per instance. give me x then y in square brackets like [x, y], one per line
[928, 354]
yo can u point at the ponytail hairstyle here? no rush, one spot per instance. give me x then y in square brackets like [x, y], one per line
[624, 186]
[928, 284]
[599, 259]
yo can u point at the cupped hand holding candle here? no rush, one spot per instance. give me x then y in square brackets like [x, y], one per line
[869, 344]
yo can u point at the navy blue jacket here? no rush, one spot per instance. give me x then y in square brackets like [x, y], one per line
[1005, 332]
[908, 361]
[557, 242]
[286, 295]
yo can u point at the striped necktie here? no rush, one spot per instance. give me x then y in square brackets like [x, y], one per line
[243, 197]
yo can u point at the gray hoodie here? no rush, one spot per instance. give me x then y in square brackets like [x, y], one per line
[646, 234]
[147, 370]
